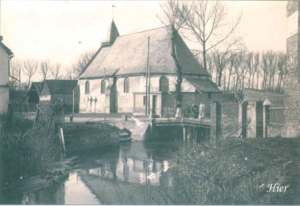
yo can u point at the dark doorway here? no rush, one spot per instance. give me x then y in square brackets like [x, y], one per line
[154, 102]
[219, 116]
[113, 97]
[259, 119]
[244, 119]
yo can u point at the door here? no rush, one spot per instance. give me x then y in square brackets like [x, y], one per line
[113, 97]
[259, 119]
[244, 119]
[154, 104]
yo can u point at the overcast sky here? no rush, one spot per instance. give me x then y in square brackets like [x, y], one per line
[62, 30]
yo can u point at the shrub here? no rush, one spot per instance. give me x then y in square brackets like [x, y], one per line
[235, 171]
[28, 154]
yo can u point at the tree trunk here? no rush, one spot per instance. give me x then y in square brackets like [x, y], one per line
[219, 79]
[257, 78]
[229, 81]
[178, 69]
[224, 81]
[204, 57]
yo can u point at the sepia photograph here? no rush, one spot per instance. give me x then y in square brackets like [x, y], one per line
[149, 102]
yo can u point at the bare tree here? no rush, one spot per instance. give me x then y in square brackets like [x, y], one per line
[238, 71]
[249, 63]
[30, 67]
[172, 11]
[264, 70]
[69, 74]
[15, 71]
[230, 70]
[206, 21]
[82, 62]
[282, 69]
[45, 68]
[256, 65]
[56, 71]
[221, 59]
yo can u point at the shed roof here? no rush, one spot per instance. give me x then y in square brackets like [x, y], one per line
[61, 86]
[128, 55]
[204, 85]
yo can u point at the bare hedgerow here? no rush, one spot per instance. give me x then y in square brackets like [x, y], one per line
[234, 171]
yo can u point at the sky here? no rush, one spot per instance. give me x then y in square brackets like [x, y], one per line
[61, 30]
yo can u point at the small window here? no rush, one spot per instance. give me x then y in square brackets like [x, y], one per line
[87, 87]
[163, 84]
[209, 95]
[144, 100]
[126, 85]
[103, 86]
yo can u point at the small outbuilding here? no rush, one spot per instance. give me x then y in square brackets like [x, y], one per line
[61, 92]
[33, 95]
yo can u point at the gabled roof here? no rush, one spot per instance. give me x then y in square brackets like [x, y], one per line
[38, 86]
[61, 86]
[8, 51]
[204, 85]
[128, 56]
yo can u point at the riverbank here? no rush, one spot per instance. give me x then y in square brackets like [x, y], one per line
[238, 171]
[29, 152]
[81, 137]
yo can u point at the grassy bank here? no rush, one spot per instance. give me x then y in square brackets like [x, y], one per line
[238, 171]
[25, 154]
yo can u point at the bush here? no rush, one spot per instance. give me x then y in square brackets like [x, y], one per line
[24, 155]
[235, 171]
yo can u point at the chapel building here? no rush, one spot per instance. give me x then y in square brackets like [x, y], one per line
[114, 81]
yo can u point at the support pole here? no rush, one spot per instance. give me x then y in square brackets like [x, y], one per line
[147, 74]
[62, 138]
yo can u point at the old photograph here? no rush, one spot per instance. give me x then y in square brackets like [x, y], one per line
[149, 102]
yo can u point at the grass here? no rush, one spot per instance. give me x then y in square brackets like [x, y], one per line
[23, 156]
[237, 171]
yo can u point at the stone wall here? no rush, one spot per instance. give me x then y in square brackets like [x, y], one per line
[291, 82]
[4, 99]
[229, 120]
[276, 99]
[4, 90]
[275, 130]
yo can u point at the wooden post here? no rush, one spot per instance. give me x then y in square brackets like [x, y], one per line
[62, 138]
[184, 134]
[147, 73]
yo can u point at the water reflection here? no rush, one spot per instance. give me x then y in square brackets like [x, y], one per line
[133, 173]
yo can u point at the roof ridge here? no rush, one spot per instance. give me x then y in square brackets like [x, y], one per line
[144, 31]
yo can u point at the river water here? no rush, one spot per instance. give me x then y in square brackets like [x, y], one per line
[132, 173]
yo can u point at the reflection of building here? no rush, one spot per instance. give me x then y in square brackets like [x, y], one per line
[5, 56]
[116, 75]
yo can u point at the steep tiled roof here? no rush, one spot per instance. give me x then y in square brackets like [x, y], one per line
[8, 51]
[38, 85]
[128, 55]
[204, 85]
[61, 86]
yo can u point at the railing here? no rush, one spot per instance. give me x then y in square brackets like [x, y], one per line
[277, 116]
[168, 112]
